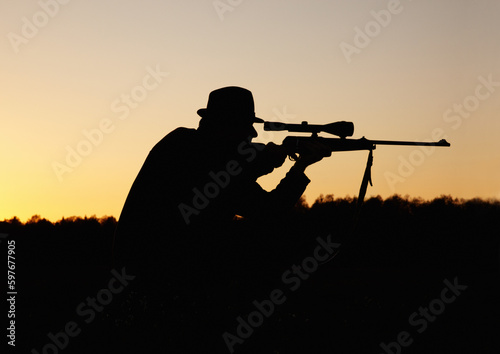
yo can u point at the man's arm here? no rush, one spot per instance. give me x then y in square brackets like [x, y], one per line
[254, 201]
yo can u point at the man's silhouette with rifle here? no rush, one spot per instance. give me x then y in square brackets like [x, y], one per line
[174, 229]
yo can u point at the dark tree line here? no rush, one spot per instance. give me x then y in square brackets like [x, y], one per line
[395, 254]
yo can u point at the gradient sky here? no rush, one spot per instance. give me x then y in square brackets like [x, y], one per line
[427, 68]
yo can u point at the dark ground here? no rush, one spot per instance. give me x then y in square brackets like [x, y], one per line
[393, 262]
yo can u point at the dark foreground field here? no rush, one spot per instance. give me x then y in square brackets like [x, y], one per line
[425, 274]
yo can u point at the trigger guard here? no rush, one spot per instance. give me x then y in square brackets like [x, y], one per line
[294, 157]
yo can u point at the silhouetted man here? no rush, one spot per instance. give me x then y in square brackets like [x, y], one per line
[172, 232]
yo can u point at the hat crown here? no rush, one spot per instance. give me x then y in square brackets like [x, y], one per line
[229, 101]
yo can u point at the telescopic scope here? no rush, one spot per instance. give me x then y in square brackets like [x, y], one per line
[340, 129]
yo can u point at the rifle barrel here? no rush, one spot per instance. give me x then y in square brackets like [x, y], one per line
[296, 143]
[442, 142]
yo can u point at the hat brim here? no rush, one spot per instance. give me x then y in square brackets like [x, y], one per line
[203, 112]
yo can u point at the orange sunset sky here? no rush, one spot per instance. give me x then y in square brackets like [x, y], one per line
[88, 88]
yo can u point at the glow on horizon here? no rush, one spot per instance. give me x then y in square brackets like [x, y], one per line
[413, 79]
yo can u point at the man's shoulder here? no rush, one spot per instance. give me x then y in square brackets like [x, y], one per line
[181, 133]
[179, 136]
[178, 145]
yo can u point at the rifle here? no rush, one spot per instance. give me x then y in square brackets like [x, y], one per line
[295, 144]
[340, 129]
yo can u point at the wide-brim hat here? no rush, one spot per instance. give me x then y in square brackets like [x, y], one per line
[230, 104]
